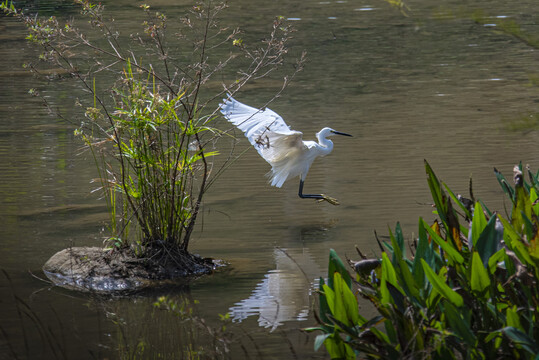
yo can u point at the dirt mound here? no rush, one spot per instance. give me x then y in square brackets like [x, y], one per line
[92, 269]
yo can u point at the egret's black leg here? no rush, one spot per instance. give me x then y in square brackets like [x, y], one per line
[307, 196]
[319, 197]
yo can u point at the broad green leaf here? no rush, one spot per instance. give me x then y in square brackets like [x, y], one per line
[439, 284]
[324, 306]
[391, 331]
[384, 292]
[521, 339]
[488, 241]
[371, 325]
[400, 240]
[319, 340]
[338, 349]
[522, 252]
[494, 260]
[397, 298]
[408, 282]
[330, 298]
[388, 275]
[451, 251]
[435, 189]
[444, 207]
[505, 184]
[533, 178]
[492, 335]
[514, 242]
[336, 265]
[534, 250]
[479, 222]
[509, 233]
[512, 319]
[346, 306]
[521, 208]
[458, 324]
[395, 248]
[486, 209]
[533, 200]
[480, 281]
[423, 251]
[457, 201]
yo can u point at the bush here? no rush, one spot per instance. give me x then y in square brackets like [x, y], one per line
[468, 289]
[149, 127]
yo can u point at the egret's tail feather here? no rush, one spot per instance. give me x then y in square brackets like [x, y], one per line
[277, 179]
[286, 168]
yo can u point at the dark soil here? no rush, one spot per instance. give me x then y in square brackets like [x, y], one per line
[93, 269]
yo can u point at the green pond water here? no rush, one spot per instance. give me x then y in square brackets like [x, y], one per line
[432, 85]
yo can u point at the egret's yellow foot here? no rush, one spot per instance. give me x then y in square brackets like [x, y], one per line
[329, 199]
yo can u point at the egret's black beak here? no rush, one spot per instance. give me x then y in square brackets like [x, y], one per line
[340, 133]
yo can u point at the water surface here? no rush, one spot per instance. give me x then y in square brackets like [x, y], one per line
[434, 85]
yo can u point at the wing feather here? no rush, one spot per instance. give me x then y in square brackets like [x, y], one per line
[280, 146]
[252, 121]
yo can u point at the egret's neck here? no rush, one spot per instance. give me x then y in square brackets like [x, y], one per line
[325, 144]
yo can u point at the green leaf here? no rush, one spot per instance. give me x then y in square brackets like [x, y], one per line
[408, 282]
[514, 242]
[458, 202]
[533, 178]
[346, 306]
[533, 200]
[388, 275]
[397, 298]
[444, 207]
[324, 306]
[505, 184]
[494, 260]
[458, 324]
[451, 251]
[488, 241]
[423, 251]
[436, 190]
[521, 339]
[330, 298]
[479, 222]
[319, 340]
[439, 284]
[394, 248]
[400, 240]
[480, 281]
[512, 319]
[492, 335]
[336, 265]
[521, 208]
[338, 349]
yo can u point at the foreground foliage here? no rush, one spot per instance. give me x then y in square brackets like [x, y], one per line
[467, 288]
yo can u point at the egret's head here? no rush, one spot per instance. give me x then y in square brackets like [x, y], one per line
[325, 132]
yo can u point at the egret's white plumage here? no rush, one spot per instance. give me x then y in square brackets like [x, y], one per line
[283, 148]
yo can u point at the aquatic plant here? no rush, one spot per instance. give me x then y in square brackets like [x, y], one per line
[147, 117]
[467, 289]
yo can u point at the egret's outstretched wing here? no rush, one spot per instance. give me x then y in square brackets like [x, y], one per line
[250, 120]
[265, 129]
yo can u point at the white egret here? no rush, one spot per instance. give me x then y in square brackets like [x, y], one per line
[283, 148]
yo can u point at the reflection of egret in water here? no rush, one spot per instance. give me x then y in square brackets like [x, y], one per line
[284, 293]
